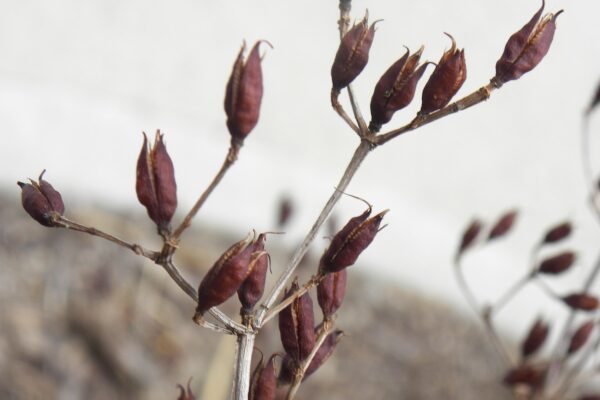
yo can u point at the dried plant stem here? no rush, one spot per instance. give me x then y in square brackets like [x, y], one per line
[359, 155]
[337, 106]
[229, 161]
[241, 382]
[470, 100]
[313, 281]
[510, 294]
[324, 332]
[136, 248]
[484, 312]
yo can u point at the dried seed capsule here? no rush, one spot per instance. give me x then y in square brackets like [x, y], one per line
[324, 352]
[243, 94]
[350, 242]
[526, 48]
[503, 225]
[296, 325]
[264, 381]
[186, 393]
[557, 264]
[155, 183]
[41, 201]
[535, 338]
[225, 276]
[581, 336]
[581, 301]
[331, 291]
[558, 233]
[470, 235]
[395, 89]
[253, 287]
[449, 75]
[353, 54]
[524, 375]
[285, 212]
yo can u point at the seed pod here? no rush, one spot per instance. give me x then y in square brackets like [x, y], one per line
[449, 75]
[353, 54]
[524, 375]
[285, 212]
[581, 336]
[186, 393]
[535, 338]
[350, 242]
[155, 183]
[558, 233]
[264, 381]
[331, 291]
[395, 89]
[296, 325]
[41, 201]
[253, 287]
[243, 94]
[225, 276]
[324, 352]
[581, 301]
[503, 225]
[289, 367]
[470, 235]
[526, 48]
[557, 264]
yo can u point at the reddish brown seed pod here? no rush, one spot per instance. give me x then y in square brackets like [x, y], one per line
[469, 235]
[331, 291]
[41, 201]
[535, 338]
[324, 352]
[350, 242]
[155, 183]
[581, 301]
[186, 393]
[503, 225]
[352, 54]
[296, 325]
[244, 93]
[226, 276]
[264, 381]
[253, 286]
[449, 75]
[395, 89]
[524, 374]
[581, 336]
[526, 48]
[557, 264]
[558, 233]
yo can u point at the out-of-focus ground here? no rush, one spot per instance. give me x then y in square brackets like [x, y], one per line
[83, 319]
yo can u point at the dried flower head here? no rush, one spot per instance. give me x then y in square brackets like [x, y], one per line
[581, 301]
[350, 242]
[527, 47]
[581, 336]
[395, 89]
[352, 54]
[264, 381]
[331, 291]
[449, 75]
[557, 264]
[535, 338]
[558, 233]
[297, 324]
[470, 235]
[243, 94]
[253, 286]
[155, 183]
[503, 225]
[41, 201]
[227, 275]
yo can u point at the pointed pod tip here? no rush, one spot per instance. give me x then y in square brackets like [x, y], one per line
[21, 184]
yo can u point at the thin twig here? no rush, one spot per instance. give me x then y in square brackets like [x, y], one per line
[227, 163]
[470, 100]
[337, 106]
[313, 281]
[136, 248]
[299, 375]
